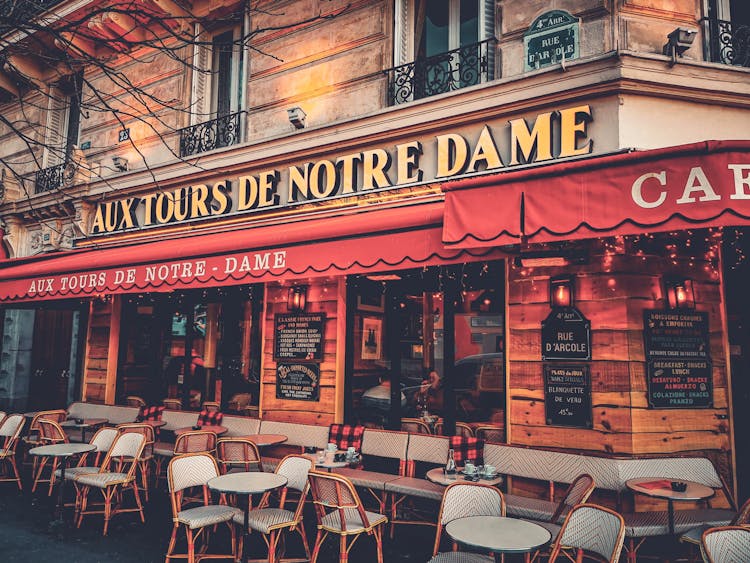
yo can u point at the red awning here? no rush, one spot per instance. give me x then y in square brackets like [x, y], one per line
[359, 242]
[698, 185]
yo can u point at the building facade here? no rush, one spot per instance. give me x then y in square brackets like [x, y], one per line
[321, 203]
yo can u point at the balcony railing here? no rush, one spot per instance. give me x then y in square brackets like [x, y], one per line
[727, 42]
[220, 132]
[52, 178]
[452, 70]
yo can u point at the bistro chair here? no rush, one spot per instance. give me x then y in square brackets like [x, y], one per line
[32, 436]
[462, 429]
[270, 521]
[237, 454]
[134, 401]
[90, 462]
[10, 432]
[172, 404]
[694, 536]
[726, 544]
[415, 426]
[339, 511]
[3, 414]
[494, 434]
[459, 501]
[116, 475]
[186, 472]
[50, 432]
[592, 529]
[147, 456]
[211, 406]
[239, 401]
[191, 442]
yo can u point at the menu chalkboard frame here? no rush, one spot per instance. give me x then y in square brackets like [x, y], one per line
[584, 418]
[293, 367]
[282, 318]
[695, 348]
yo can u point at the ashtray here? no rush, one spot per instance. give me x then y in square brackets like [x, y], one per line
[678, 486]
[197, 427]
[79, 421]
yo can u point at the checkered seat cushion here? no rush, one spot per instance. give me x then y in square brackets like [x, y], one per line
[460, 557]
[210, 418]
[465, 447]
[415, 487]
[150, 413]
[263, 520]
[346, 436]
[529, 508]
[332, 521]
[101, 480]
[201, 516]
[644, 524]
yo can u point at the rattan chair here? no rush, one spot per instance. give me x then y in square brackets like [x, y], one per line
[10, 432]
[172, 404]
[211, 406]
[591, 529]
[188, 471]
[191, 442]
[50, 432]
[237, 454]
[694, 536]
[147, 456]
[494, 434]
[415, 426]
[134, 401]
[270, 521]
[726, 544]
[90, 462]
[32, 436]
[116, 475]
[459, 501]
[339, 511]
[462, 429]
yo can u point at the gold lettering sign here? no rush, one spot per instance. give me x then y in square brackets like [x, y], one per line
[519, 142]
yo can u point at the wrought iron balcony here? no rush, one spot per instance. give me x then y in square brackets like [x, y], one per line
[223, 131]
[452, 70]
[52, 178]
[727, 42]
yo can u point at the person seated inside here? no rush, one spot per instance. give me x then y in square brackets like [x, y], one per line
[430, 395]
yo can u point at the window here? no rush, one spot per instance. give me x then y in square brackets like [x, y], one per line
[727, 29]
[61, 134]
[442, 45]
[216, 92]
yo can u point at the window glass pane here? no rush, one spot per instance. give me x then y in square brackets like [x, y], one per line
[222, 68]
[469, 32]
[435, 36]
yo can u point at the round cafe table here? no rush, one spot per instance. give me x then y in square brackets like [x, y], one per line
[63, 451]
[245, 484]
[659, 487]
[437, 475]
[498, 534]
[262, 440]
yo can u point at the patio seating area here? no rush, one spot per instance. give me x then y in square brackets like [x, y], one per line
[384, 490]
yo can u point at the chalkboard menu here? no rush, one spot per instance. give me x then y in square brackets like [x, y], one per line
[678, 359]
[567, 395]
[299, 336]
[566, 335]
[298, 381]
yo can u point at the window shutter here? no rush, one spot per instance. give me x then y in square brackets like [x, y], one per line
[200, 108]
[487, 31]
[55, 135]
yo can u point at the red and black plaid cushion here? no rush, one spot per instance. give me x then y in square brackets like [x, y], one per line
[467, 448]
[346, 436]
[150, 413]
[206, 418]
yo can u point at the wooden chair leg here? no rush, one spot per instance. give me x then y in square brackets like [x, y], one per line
[316, 548]
[343, 553]
[172, 542]
[303, 534]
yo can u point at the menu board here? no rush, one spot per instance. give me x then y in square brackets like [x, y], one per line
[298, 381]
[566, 335]
[567, 395]
[678, 359]
[299, 336]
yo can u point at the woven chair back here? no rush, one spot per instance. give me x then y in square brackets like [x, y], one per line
[198, 441]
[11, 430]
[578, 492]
[172, 404]
[415, 426]
[726, 544]
[124, 453]
[336, 496]
[134, 401]
[594, 529]
[50, 432]
[490, 433]
[237, 453]
[57, 415]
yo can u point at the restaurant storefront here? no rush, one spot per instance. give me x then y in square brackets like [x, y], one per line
[575, 304]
